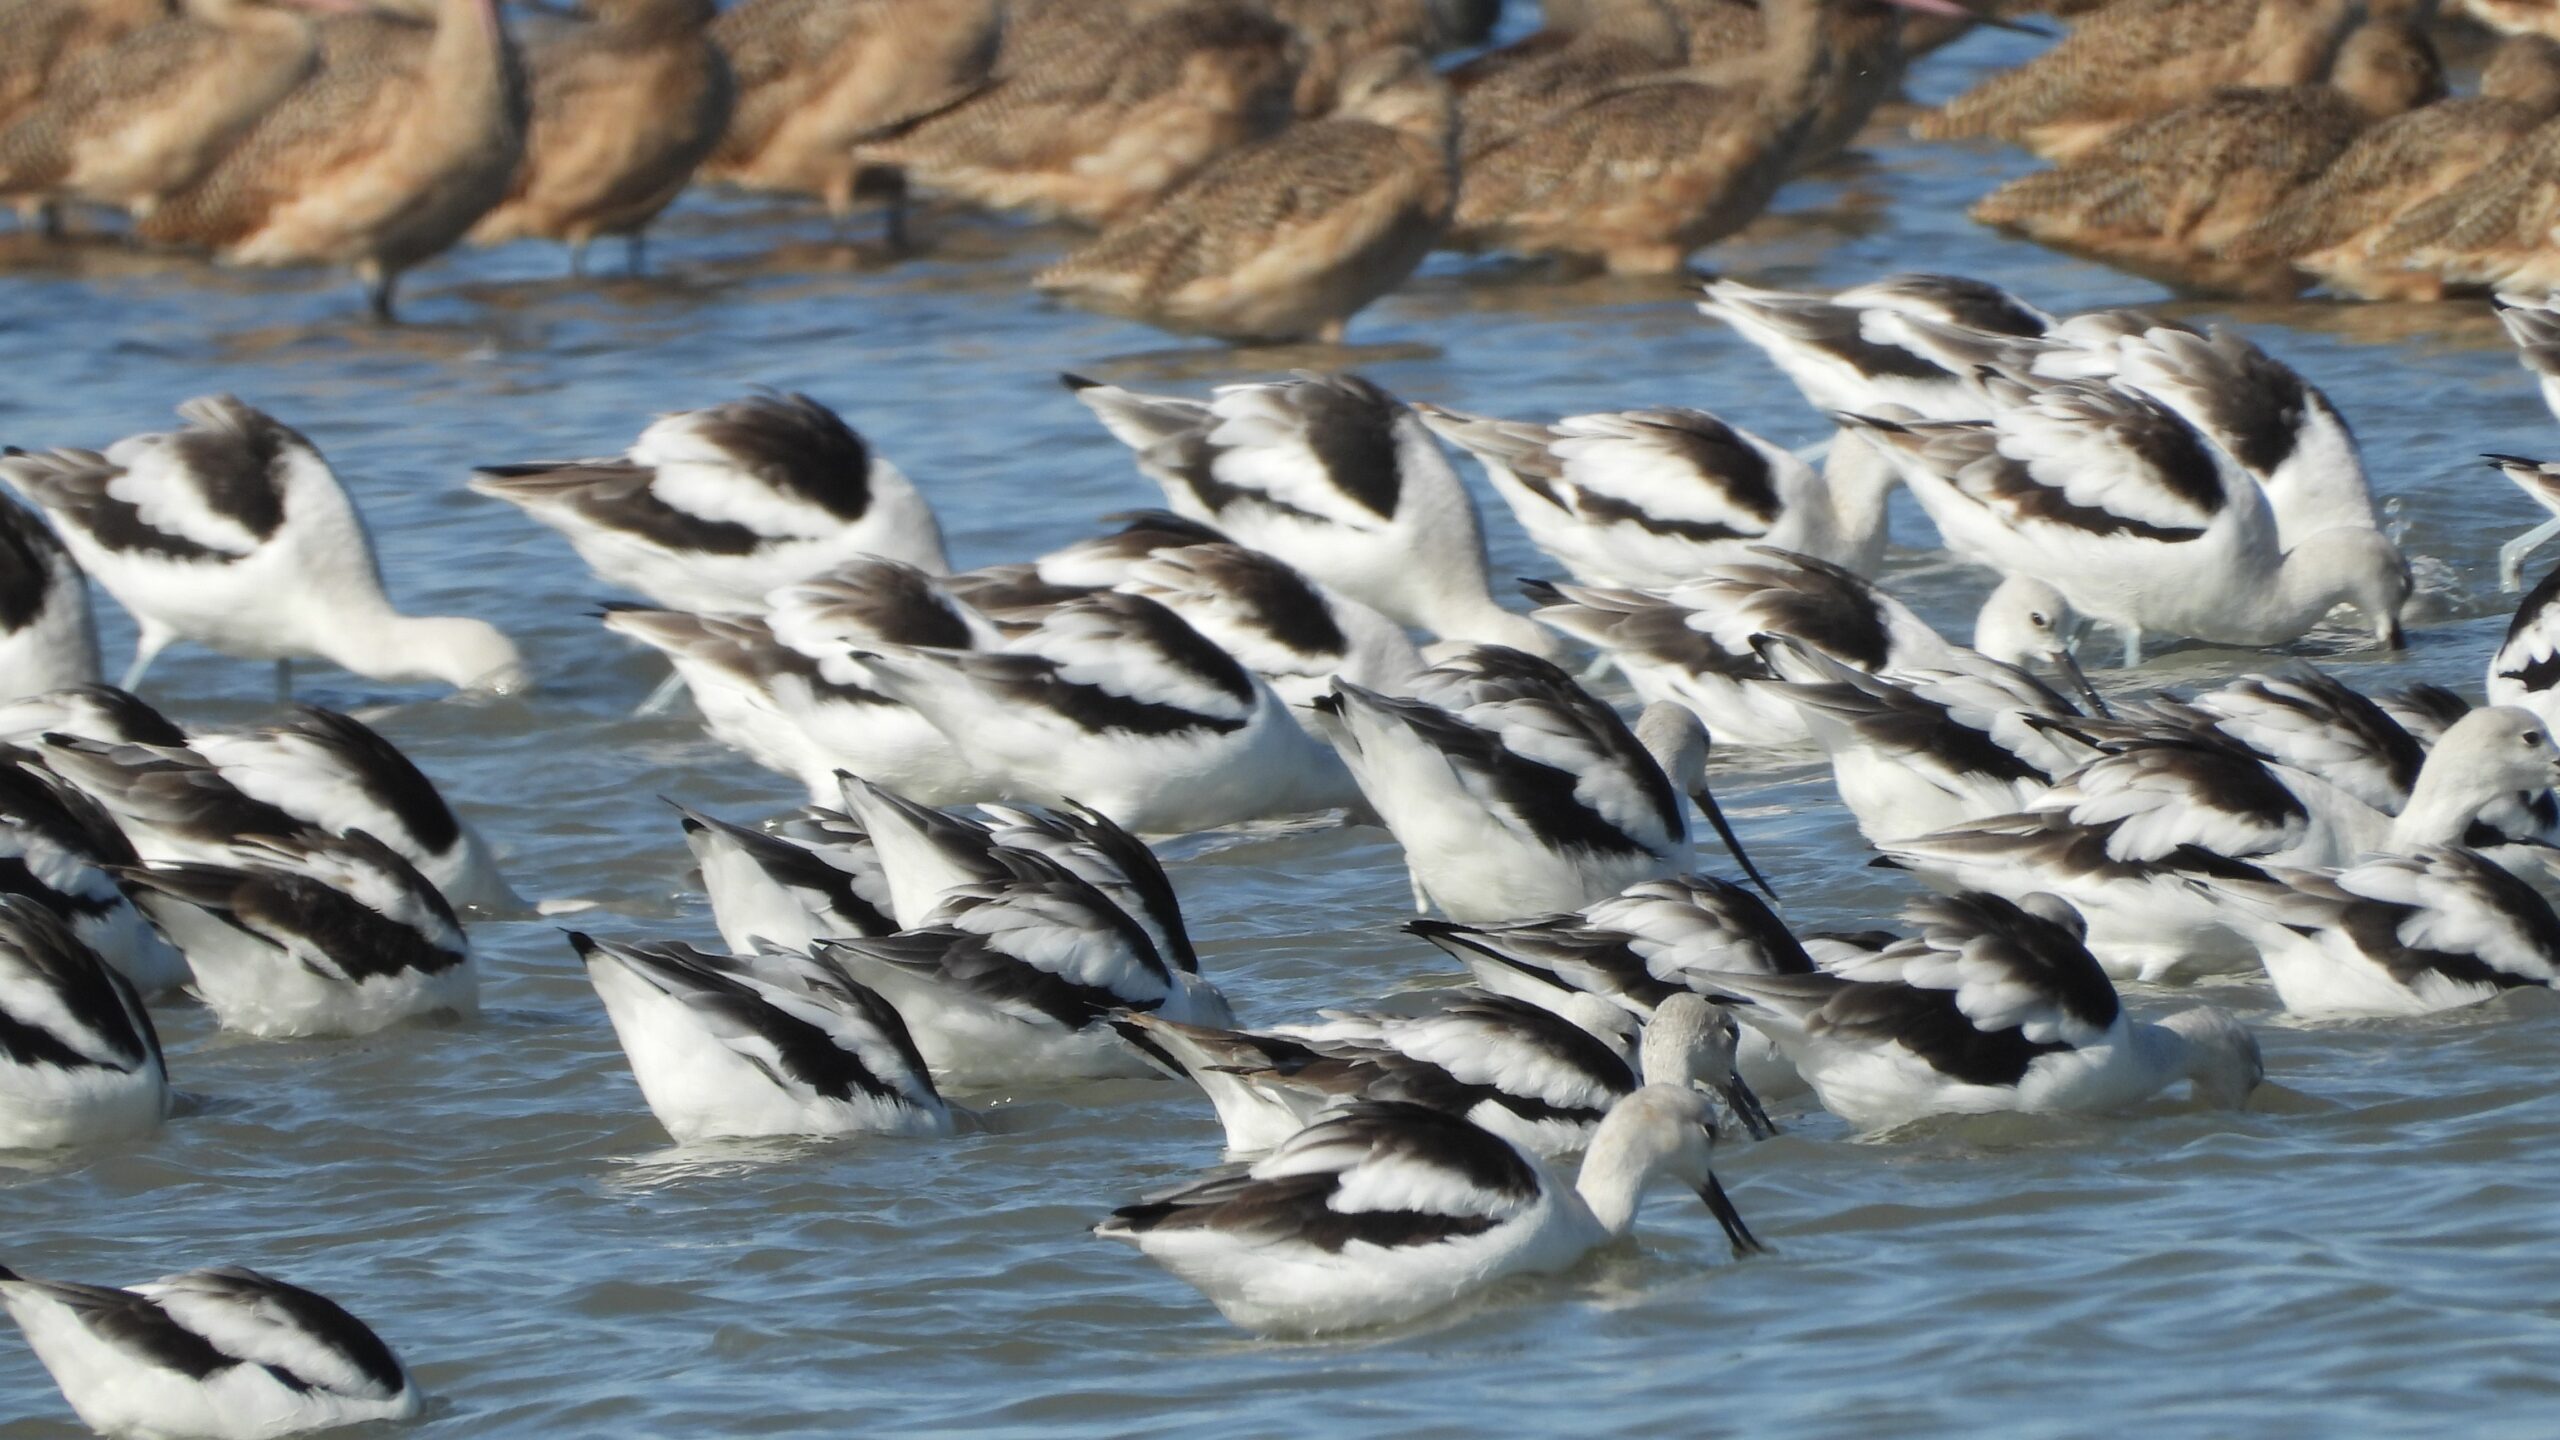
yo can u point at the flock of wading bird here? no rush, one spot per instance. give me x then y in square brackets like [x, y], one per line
[1308, 627]
[1262, 169]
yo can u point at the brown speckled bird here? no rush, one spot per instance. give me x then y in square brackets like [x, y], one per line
[815, 77]
[1638, 173]
[2492, 231]
[1864, 68]
[1338, 33]
[48, 36]
[130, 123]
[384, 158]
[2140, 58]
[2511, 17]
[1290, 236]
[1097, 107]
[2327, 228]
[2170, 192]
[1583, 46]
[625, 104]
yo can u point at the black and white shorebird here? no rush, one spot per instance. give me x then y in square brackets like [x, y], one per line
[1294, 633]
[1385, 1211]
[1993, 1007]
[1524, 1072]
[61, 849]
[2525, 668]
[1115, 701]
[2439, 927]
[712, 509]
[1336, 477]
[773, 1043]
[1697, 644]
[1846, 354]
[322, 935]
[234, 533]
[1647, 498]
[2136, 517]
[48, 638]
[2540, 481]
[79, 1061]
[218, 1354]
[1017, 979]
[812, 877]
[1515, 792]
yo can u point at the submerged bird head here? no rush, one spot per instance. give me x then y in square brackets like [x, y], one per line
[2222, 1059]
[466, 654]
[2356, 566]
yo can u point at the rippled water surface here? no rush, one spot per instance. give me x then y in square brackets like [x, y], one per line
[2373, 1249]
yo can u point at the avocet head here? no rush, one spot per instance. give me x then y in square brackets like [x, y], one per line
[2365, 569]
[466, 654]
[1691, 1040]
[2026, 621]
[1678, 743]
[2498, 750]
[1668, 1131]
[2223, 1062]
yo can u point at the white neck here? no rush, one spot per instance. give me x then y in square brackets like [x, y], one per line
[2441, 807]
[1614, 1175]
[1857, 481]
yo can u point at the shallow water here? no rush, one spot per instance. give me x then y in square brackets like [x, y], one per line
[2370, 1250]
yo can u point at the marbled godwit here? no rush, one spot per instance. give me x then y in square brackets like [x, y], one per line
[2138, 58]
[1091, 116]
[1586, 44]
[1288, 237]
[2170, 192]
[383, 159]
[815, 76]
[624, 107]
[1339, 33]
[1867, 61]
[1640, 171]
[48, 36]
[2327, 227]
[130, 123]
[2511, 17]
[2491, 231]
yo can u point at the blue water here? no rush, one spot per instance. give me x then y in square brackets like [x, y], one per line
[2370, 1251]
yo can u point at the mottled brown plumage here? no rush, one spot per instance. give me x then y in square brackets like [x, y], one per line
[1339, 33]
[1288, 237]
[1864, 65]
[2141, 58]
[405, 136]
[2512, 17]
[1587, 46]
[2493, 231]
[624, 105]
[2327, 228]
[1640, 173]
[2174, 190]
[815, 77]
[47, 36]
[128, 124]
[1096, 108]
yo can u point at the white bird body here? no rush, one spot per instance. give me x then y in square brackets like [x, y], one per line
[1335, 477]
[711, 510]
[79, 1061]
[218, 1354]
[770, 1044]
[235, 533]
[59, 848]
[813, 879]
[1294, 633]
[48, 637]
[1383, 1212]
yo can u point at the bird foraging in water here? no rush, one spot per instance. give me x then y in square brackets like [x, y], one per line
[1288, 237]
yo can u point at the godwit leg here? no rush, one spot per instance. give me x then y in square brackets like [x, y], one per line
[635, 252]
[2511, 555]
[378, 285]
[578, 259]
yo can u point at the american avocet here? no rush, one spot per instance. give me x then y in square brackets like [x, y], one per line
[731, 665]
[1522, 1071]
[1695, 645]
[328, 936]
[235, 533]
[1385, 1211]
[2306, 719]
[2540, 481]
[1017, 979]
[169, 800]
[711, 510]
[1289, 237]
[219, 1354]
[2121, 839]
[1333, 475]
[1514, 792]
[2137, 519]
[1634, 950]
[774, 1043]
[83, 1065]
[1115, 701]
[1994, 1007]
[2525, 669]
[1844, 355]
[60, 849]
[88, 712]
[2279, 426]
[647, 73]
[815, 876]
[2432, 929]
[48, 638]
[1650, 497]
[1294, 633]
[338, 774]
[1101, 561]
